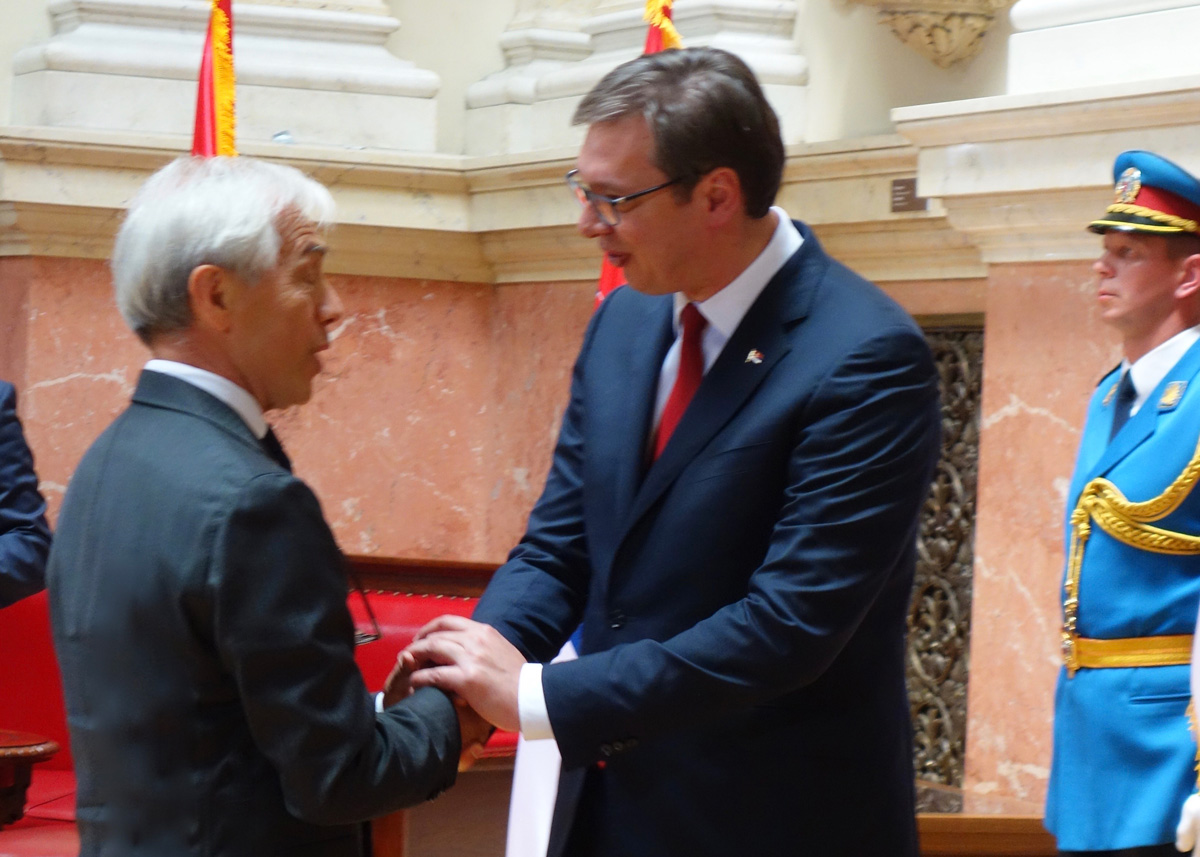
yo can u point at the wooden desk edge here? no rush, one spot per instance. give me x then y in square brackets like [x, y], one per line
[983, 835]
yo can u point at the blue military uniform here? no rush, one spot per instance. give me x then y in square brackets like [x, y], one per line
[1124, 758]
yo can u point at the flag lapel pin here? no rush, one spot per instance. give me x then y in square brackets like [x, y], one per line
[755, 356]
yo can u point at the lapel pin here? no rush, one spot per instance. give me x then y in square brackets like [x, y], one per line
[1172, 393]
[755, 356]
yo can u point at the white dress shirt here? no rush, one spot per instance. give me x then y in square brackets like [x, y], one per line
[1153, 366]
[724, 311]
[245, 405]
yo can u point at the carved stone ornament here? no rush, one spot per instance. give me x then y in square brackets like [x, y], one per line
[946, 31]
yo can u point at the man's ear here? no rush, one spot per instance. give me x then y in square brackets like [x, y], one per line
[1189, 283]
[722, 194]
[208, 297]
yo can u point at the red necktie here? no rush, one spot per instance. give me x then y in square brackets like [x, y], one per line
[691, 370]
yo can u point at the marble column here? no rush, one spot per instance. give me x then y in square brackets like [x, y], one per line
[556, 50]
[308, 72]
[1067, 44]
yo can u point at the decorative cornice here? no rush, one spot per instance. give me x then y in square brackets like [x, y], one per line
[945, 31]
[496, 219]
[1020, 189]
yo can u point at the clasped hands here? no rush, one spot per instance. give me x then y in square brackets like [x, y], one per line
[472, 663]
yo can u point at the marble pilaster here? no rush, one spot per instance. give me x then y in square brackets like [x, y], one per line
[555, 52]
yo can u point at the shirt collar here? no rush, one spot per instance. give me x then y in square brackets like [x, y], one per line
[724, 310]
[1153, 366]
[243, 404]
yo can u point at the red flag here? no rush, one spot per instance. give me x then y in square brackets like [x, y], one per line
[215, 131]
[661, 35]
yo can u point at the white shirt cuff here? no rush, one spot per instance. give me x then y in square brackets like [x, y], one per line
[531, 704]
[379, 702]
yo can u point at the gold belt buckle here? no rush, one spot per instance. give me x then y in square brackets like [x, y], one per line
[1070, 657]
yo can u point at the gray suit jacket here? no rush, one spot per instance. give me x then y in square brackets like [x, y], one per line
[198, 605]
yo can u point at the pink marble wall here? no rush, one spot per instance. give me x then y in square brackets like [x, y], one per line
[432, 426]
[1044, 351]
[430, 429]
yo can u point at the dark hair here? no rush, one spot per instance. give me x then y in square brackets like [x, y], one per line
[705, 110]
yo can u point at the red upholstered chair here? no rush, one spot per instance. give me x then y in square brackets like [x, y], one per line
[31, 701]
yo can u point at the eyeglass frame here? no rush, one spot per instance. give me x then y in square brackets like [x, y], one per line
[363, 637]
[586, 196]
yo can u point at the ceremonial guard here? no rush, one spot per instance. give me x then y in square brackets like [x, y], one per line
[1124, 759]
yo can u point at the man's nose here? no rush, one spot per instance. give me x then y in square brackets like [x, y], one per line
[331, 308]
[591, 224]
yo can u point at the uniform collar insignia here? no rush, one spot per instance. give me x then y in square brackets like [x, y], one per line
[1172, 393]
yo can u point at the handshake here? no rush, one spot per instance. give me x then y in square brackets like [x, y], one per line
[472, 663]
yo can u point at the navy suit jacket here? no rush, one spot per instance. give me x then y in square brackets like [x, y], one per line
[744, 597]
[198, 603]
[24, 534]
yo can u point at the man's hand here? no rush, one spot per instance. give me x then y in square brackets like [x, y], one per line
[1187, 833]
[472, 660]
[474, 731]
[398, 685]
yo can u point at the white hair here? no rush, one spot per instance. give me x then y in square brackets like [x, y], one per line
[204, 211]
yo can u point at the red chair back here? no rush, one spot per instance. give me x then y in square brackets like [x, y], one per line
[31, 698]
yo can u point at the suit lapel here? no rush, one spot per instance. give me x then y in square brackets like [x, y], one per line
[1142, 424]
[735, 376]
[639, 381]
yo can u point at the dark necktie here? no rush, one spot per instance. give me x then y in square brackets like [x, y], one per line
[1126, 394]
[270, 443]
[691, 371]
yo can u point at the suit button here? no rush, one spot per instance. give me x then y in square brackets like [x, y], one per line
[616, 620]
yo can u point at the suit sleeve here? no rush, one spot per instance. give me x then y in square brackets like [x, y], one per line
[863, 448]
[24, 534]
[285, 634]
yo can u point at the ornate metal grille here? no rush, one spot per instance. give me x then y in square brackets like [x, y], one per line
[940, 618]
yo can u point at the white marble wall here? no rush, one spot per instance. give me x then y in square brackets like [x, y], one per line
[1068, 44]
[307, 72]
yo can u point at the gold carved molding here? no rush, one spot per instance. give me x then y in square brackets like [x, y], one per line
[945, 31]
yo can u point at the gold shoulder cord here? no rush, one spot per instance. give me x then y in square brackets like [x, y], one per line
[1128, 523]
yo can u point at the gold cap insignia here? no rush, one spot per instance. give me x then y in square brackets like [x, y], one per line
[1128, 185]
[1172, 393]
[755, 356]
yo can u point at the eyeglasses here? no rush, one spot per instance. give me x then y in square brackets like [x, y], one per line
[363, 636]
[606, 207]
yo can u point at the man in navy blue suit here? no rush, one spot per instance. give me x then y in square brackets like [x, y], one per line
[24, 534]
[731, 511]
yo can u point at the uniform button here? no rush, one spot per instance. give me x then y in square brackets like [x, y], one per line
[616, 620]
